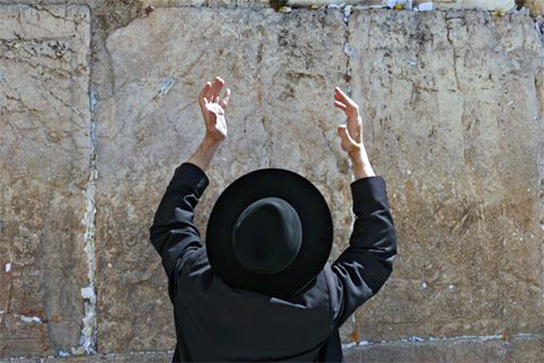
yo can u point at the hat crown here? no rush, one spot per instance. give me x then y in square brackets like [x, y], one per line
[267, 236]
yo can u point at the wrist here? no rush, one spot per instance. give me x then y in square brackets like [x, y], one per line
[359, 155]
[203, 155]
[361, 164]
[210, 143]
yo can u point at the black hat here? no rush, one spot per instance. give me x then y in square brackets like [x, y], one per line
[270, 231]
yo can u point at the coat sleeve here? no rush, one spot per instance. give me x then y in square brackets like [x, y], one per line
[174, 233]
[362, 269]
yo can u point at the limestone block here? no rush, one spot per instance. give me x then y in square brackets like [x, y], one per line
[44, 159]
[460, 350]
[453, 117]
[126, 357]
[281, 69]
[536, 7]
[499, 5]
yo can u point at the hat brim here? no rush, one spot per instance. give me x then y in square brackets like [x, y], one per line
[317, 231]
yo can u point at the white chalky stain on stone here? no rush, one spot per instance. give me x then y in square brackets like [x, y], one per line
[8, 267]
[349, 345]
[167, 85]
[429, 6]
[30, 319]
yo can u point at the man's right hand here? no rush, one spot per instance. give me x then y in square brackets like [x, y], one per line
[351, 135]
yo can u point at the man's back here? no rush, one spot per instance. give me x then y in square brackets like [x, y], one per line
[220, 323]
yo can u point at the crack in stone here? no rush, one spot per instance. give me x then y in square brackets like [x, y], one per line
[456, 75]
[349, 52]
[415, 339]
[53, 48]
[65, 104]
[39, 7]
[89, 332]
[347, 48]
[539, 26]
[448, 29]
[34, 65]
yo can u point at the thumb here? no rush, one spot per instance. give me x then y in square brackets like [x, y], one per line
[344, 135]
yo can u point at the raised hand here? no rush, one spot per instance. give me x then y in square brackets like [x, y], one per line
[351, 133]
[213, 111]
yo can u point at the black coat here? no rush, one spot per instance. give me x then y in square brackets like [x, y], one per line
[215, 322]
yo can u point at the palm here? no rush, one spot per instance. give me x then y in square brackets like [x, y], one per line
[216, 125]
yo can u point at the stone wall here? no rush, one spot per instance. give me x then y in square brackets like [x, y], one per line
[98, 107]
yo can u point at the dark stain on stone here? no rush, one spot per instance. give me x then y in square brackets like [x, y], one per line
[277, 4]
[288, 93]
[260, 53]
[112, 15]
[432, 132]
[539, 87]
[147, 10]
[282, 38]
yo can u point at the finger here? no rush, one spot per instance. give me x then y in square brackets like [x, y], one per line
[340, 105]
[350, 108]
[344, 134]
[206, 112]
[226, 99]
[216, 89]
[221, 84]
[341, 96]
[203, 93]
[211, 90]
[344, 100]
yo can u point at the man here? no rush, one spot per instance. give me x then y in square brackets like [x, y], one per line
[261, 289]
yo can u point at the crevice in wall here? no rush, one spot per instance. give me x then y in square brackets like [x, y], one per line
[88, 337]
[454, 50]
[477, 338]
[134, 356]
[539, 26]
[347, 48]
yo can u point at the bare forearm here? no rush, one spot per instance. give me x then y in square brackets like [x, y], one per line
[202, 157]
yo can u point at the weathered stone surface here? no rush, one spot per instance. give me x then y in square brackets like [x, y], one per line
[453, 114]
[501, 5]
[127, 357]
[526, 349]
[44, 157]
[282, 71]
[498, 7]
[518, 349]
